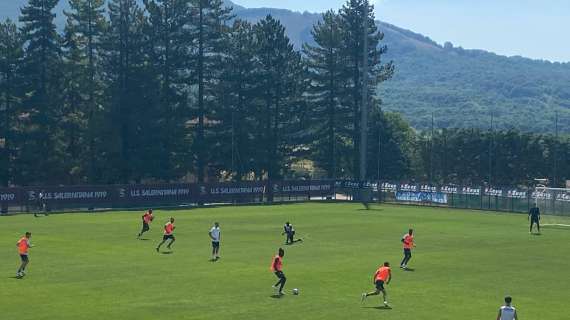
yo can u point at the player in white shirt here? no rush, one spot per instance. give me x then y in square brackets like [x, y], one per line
[507, 312]
[215, 235]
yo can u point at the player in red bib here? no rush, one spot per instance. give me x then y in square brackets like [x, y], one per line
[168, 234]
[409, 244]
[23, 246]
[146, 220]
[277, 268]
[382, 276]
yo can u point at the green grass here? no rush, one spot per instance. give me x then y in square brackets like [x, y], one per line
[90, 266]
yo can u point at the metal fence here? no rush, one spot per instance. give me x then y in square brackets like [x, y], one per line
[453, 196]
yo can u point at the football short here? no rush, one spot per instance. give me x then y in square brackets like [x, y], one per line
[24, 258]
[215, 244]
[145, 226]
[379, 285]
[168, 236]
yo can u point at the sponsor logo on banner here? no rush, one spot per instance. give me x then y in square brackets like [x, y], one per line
[7, 197]
[408, 187]
[493, 192]
[389, 187]
[471, 191]
[516, 194]
[159, 192]
[449, 189]
[411, 196]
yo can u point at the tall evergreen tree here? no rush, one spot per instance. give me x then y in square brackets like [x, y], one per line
[210, 21]
[280, 88]
[171, 39]
[358, 16]
[330, 118]
[129, 139]
[40, 153]
[11, 54]
[239, 106]
[84, 33]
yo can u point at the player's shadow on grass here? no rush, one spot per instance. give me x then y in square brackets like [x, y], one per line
[409, 269]
[276, 296]
[370, 209]
[379, 308]
[167, 252]
[536, 234]
[143, 239]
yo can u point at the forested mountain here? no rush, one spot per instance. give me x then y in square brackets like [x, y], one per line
[461, 87]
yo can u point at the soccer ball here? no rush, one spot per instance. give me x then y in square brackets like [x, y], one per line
[295, 291]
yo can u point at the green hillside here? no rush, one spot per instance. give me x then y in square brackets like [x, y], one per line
[461, 87]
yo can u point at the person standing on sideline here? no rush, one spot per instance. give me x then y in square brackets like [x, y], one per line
[408, 241]
[534, 217]
[146, 220]
[382, 276]
[507, 312]
[277, 269]
[168, 234]
[23, 246]
[42, 205]
[216, 235]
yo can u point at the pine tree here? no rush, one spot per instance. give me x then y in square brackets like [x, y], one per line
[84, 31]
[210, 20]
[356, 14]
[281, 82]
[239, 105]
[330, 118]
[11, 55]
[129, 140]
[40, 150]
[170, 46]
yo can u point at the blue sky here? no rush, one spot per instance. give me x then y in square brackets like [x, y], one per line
[538, 29]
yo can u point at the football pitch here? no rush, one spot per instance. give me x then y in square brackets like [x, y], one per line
[91, 266]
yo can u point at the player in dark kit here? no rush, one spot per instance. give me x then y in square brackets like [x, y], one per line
[42, 204]
[534, 217]
[289, 231]
[168, 234]
[146, 220]
[277, 269]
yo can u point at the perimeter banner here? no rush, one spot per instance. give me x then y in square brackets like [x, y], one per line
[10, 196]
[72, 194]
[133, 194]
[313, 188]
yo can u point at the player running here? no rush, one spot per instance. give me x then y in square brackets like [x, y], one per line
[277, 268]
[507, 312]
[382, 276]
[289, 231]
[534, 217]
[408, 241]
[23, 246]
[216, 235]
[168, 234]
[146, 220]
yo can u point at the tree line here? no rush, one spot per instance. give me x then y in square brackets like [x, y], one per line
[181, 90]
